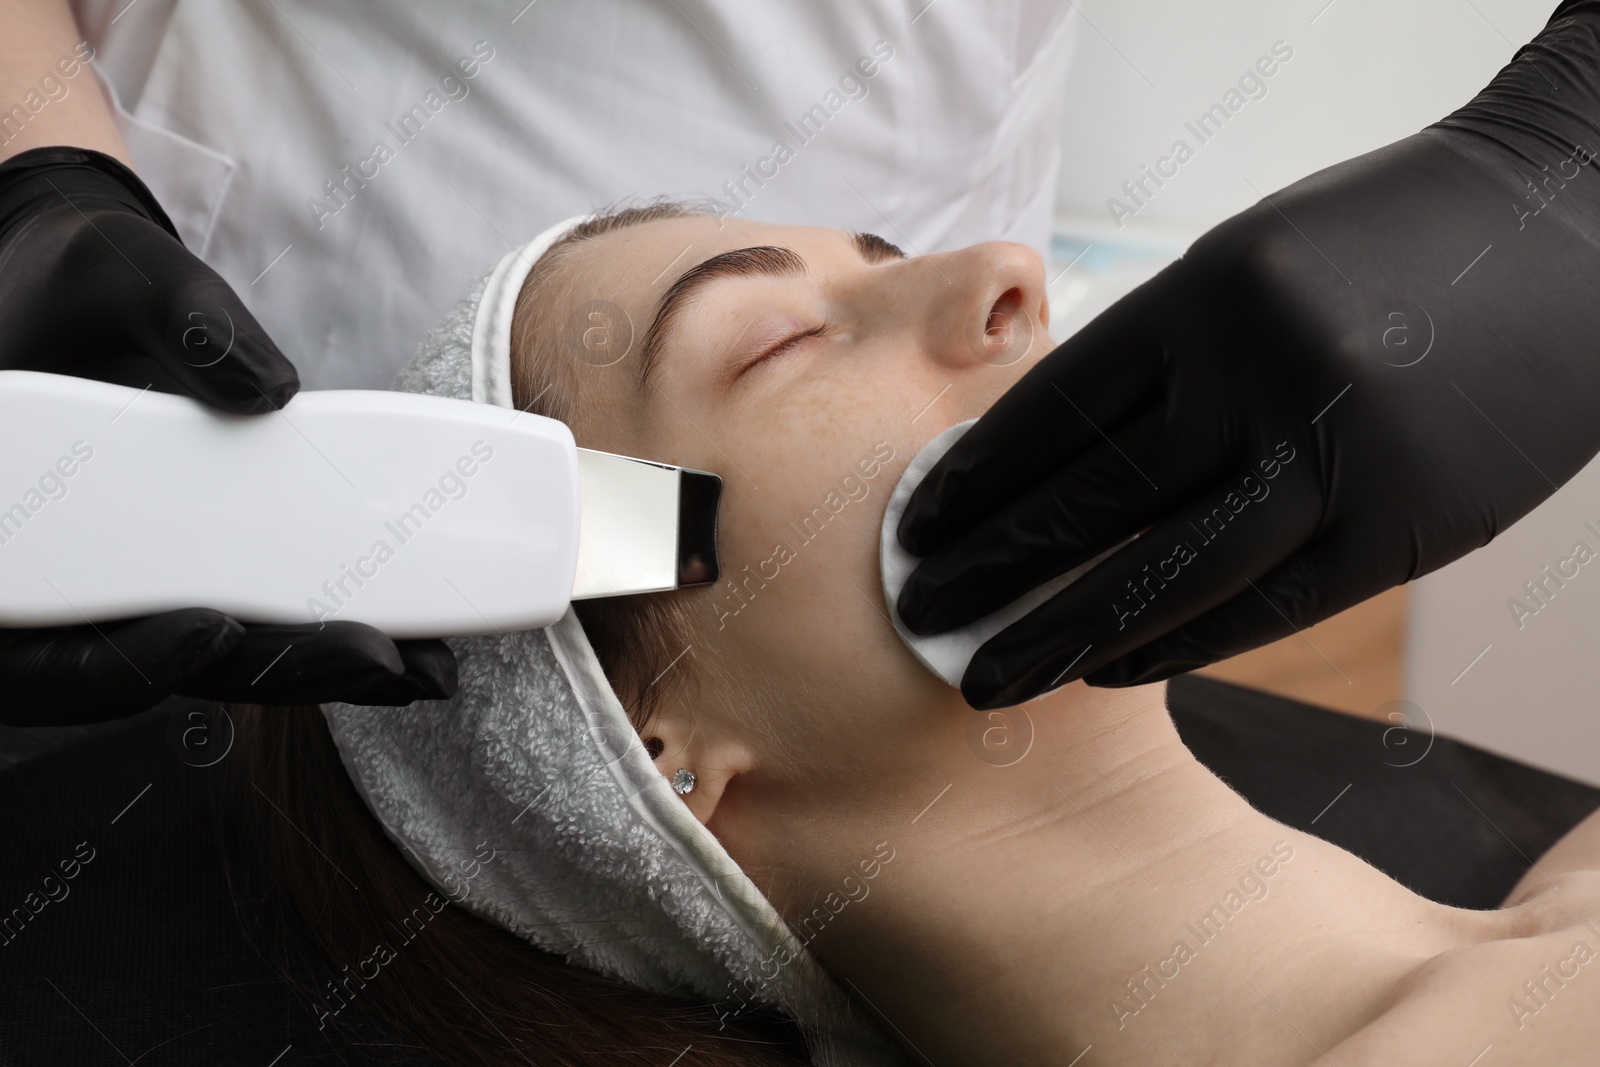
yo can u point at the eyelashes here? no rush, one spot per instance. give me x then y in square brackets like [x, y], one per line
[785, 345]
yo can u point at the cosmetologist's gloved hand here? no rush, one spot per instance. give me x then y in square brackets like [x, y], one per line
[1360, 379]
[95, 282]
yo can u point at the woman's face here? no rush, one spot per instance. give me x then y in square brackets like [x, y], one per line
[807, 375]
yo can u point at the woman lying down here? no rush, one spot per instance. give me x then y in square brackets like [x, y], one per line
[755, 827]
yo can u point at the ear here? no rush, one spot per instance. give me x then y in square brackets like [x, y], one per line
[675, 738]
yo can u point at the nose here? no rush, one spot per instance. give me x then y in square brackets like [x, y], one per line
[988, 307]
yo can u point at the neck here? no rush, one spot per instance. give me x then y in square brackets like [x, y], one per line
[1106, 890]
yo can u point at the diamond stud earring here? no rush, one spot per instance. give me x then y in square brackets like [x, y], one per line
[684, 781]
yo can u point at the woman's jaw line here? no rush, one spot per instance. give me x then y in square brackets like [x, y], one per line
[943, 791]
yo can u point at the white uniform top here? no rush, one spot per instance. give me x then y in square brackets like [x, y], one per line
[348, 168]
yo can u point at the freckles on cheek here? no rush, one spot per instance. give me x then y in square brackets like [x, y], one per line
[813, 435]
[798, 539]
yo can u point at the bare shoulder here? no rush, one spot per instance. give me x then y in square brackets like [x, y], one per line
[1526, 990]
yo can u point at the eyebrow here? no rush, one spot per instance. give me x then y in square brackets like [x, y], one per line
[770, 261]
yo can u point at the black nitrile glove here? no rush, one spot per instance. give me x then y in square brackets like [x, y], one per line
[1351, 384]
[94, 282]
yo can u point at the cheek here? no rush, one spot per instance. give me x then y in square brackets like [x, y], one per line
[802, 486]
[801, 594]
[809, 652]
[800, 597]
[805, 427]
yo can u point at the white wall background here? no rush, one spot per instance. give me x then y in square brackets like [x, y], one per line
[1364, 73]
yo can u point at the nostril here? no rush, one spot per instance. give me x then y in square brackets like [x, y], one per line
[1007, 332]
[998, 332]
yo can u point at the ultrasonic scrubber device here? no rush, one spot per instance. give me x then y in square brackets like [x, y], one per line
[420, 515]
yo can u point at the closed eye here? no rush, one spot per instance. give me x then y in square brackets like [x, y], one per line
[784, 345]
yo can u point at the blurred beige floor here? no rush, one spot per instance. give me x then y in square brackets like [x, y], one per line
[1350, 663]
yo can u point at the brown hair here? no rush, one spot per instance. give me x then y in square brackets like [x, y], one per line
[466, 990]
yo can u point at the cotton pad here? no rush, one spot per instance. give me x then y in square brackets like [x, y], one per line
[948, 654]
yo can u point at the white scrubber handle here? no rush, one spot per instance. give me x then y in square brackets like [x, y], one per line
[421, 515]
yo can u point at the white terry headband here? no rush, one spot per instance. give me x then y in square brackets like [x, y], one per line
[532, 778]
